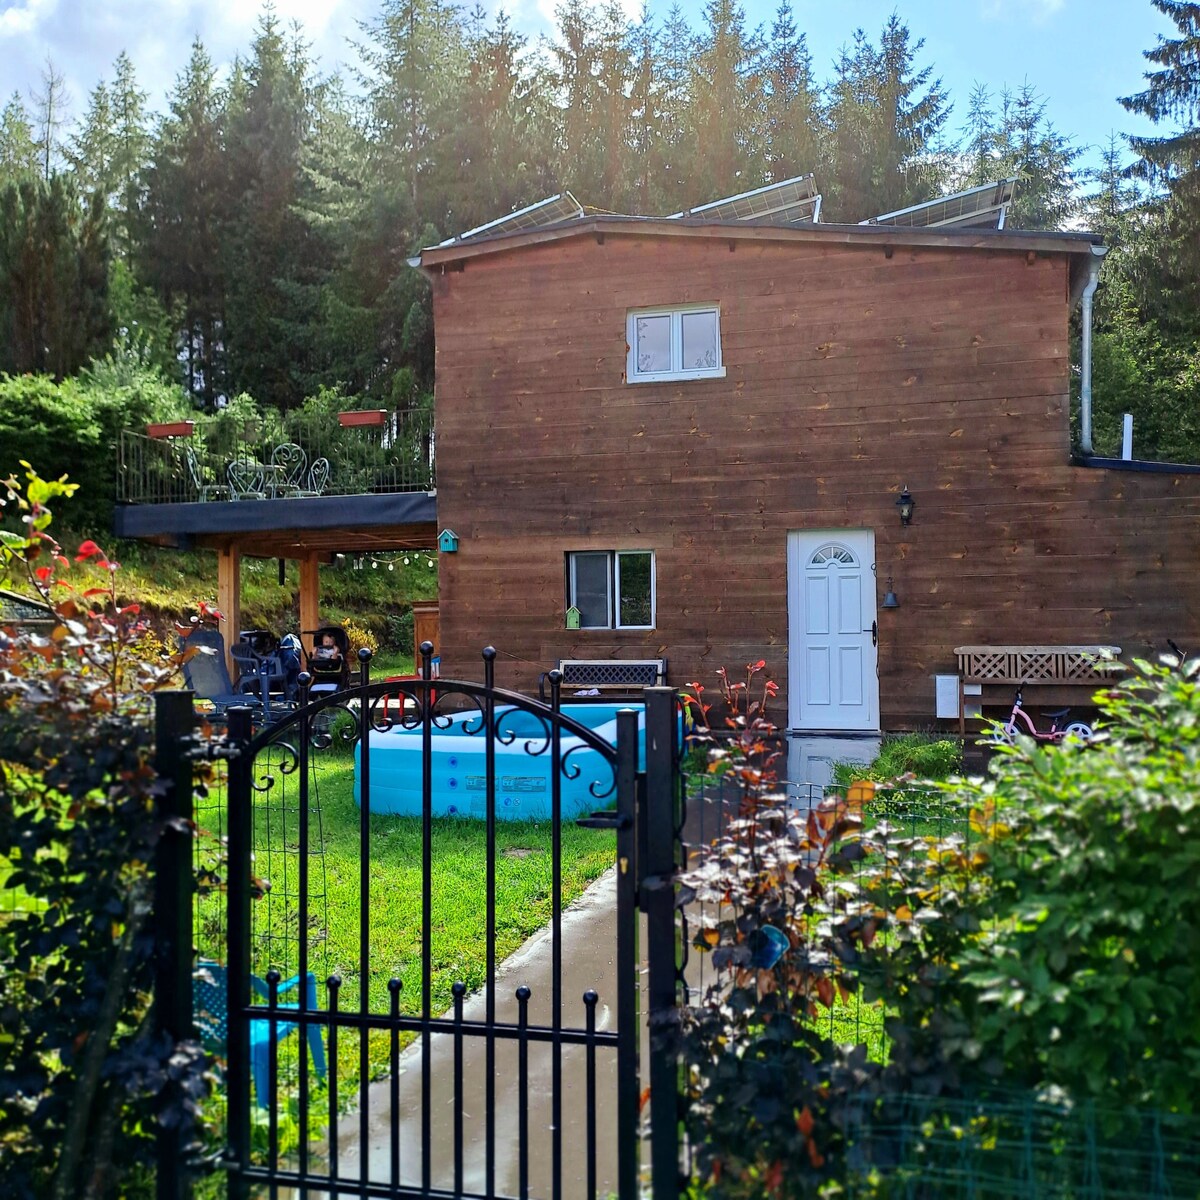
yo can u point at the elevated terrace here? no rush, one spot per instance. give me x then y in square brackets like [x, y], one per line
[297, 485]
[186, 478]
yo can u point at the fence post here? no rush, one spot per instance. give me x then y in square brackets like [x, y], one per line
[173, 889]
[658, 891]
[240, 827]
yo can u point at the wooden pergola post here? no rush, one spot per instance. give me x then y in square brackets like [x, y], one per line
[229, 597]
[310, 597]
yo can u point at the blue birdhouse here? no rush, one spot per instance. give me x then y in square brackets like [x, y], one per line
[448, 541]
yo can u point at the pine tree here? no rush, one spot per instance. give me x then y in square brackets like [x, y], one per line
[18, 151]
[614, 81]
[575, 55]
[1172, 160]
[266, 246]
[1111, 210]
[726, 106]
[332, 200]
[1043, 161]
[792, 118]
[887, 119]
[413, 71]
[979, 150]
[54, 260]
[130, 153]
[186, 210]
[676, 50]
[89, 153]
[645, 117]
[502, 142]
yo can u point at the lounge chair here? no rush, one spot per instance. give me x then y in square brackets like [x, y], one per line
[206, 674]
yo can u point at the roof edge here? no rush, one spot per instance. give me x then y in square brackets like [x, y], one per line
[434, 257]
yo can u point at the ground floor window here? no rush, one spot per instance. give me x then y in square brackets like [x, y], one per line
[612, 589]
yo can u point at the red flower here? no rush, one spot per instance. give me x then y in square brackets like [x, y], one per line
[87, 550]
[44, 573]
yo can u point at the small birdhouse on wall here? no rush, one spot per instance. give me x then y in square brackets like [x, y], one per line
[448, 541]
[572, 617]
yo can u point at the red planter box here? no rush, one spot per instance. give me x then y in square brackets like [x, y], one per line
[168, 429]
[366, 416]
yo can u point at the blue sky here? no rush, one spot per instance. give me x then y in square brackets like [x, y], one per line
[1079, 54]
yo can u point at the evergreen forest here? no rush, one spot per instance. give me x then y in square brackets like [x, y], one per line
[250, 240]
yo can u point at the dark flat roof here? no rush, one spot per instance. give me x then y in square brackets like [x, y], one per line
[277, 527]
[1145, 465]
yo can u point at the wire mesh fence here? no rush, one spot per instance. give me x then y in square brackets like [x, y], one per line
[914, 860]
[274, 919]
[1019, 1147]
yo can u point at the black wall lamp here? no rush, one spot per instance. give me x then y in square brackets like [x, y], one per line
[889, 599]
[905, 503]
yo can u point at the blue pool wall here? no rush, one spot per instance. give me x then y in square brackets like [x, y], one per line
[458, 767]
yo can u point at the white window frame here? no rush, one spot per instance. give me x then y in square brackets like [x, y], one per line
[677, 370]
[614, 587]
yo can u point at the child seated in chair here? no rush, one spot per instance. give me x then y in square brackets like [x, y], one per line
[328, 650]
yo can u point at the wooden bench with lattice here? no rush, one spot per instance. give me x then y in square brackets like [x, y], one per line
[1058, 666]
[607, 676]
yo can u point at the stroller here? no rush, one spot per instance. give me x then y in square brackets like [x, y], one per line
[329, 674]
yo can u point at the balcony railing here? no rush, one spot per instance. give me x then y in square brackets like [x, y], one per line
[292, 456]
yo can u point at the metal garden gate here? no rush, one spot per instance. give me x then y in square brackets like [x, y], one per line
[442, 1121]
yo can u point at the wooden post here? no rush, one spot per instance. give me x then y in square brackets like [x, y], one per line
[310, 597]
[229, 598]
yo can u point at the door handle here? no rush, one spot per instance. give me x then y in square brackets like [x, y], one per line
[874, 632]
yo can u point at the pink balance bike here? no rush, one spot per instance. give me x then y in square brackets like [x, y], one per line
[1019, 721]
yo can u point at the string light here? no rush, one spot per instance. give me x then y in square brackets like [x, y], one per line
[407, 557]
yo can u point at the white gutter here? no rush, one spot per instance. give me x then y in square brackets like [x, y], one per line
[1085, 351]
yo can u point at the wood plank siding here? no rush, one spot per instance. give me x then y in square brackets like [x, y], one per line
[848, 375]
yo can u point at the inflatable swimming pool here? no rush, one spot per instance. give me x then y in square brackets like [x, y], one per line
[458, 768]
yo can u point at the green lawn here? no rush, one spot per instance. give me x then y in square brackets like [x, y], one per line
[458, 946]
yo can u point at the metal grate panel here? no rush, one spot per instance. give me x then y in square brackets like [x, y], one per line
[612, 673]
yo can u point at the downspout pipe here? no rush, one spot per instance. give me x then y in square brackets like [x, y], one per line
[1085, 351]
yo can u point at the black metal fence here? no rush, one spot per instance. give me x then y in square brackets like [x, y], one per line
[348, 1075]
[290, 455]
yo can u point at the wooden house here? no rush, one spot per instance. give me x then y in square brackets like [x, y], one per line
[694, 431]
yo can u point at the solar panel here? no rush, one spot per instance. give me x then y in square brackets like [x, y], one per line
[550, 211]
[979, 207]
[792, 202]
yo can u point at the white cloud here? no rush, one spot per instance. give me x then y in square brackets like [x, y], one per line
[23, 17]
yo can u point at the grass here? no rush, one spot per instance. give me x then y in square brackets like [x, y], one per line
[458, 895]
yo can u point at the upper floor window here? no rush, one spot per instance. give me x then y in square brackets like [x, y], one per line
[674, 343]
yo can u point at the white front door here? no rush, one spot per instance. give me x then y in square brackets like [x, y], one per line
[832, 676]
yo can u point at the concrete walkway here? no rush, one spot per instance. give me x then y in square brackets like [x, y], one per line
[589, 962]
